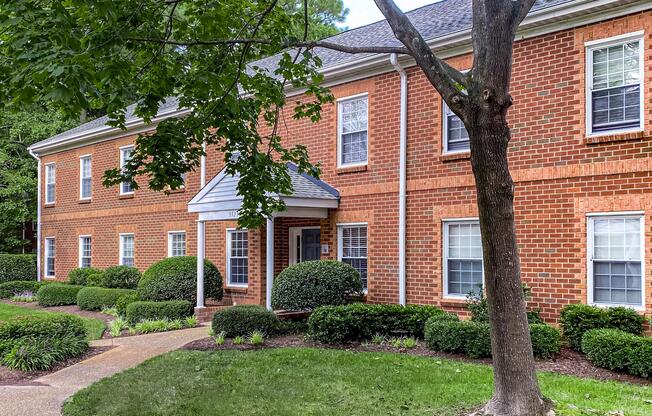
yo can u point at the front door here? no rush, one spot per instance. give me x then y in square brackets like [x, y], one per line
[310, 244]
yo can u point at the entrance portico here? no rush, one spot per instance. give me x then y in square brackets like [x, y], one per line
[296, 228]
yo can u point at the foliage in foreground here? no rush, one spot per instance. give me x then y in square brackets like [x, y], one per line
[619, 350]
[147, 311]
[98, 298]
[17, 287]
[16, 266]
[58, 294]
[86, 276]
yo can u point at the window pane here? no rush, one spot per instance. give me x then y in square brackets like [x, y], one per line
[617, 282]
[177, 244]
[464, 258]
[456, 137]
[125, 155]
[238, 257]
[354, 249]
[85, 252]
[353, 129]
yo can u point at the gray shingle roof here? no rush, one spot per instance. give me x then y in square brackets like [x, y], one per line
[306, 186]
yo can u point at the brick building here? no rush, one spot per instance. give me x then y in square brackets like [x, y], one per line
[581, 158]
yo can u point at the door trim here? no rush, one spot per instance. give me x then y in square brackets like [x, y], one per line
[293, 232]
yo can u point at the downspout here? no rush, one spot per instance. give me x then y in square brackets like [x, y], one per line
[38, 217]
[402, 194]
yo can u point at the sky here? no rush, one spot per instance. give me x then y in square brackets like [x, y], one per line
[363, 12]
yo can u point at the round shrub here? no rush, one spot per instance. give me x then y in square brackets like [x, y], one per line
[121, 277]
[242, 320]
[460, 337]
[625, 319]
[85, 276]
[146, 310]
[58, 294]
[97, 298]
[608, 348]
[577, 319]
[175, 278]
[310, 284]
[546, 340]
[17, 267]
[124, 301]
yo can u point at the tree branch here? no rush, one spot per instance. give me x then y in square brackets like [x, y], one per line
[521, 9]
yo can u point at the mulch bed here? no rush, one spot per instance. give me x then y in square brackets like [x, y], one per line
[27, 378]
[73, 309]
[568, 362]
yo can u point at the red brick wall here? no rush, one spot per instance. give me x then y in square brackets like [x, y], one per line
[560, 175]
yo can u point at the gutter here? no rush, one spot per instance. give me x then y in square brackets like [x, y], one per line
[402, 194]
[38, 217]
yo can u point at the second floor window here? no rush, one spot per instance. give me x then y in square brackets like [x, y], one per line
[125, 155]
[50, 182]
[352, 131]
[127, 250]
[85, 251]
[237, 257]
[456, 138]
[615, 75]
[50, 255]
[176, 244]
[463, 273]
[85, 179]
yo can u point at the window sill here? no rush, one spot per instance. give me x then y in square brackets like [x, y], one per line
[638, 309]
[351, 169]
[447, 157]
[616, 137]
[85, 201]
[454, 302]
[49, 205]
[177, 191]
[126, 196]
[236, 289]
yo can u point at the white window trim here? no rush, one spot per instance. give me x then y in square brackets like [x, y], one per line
[47, 182]
[122, 162]
[444, 128]
[81, 178]
[444, 258]
[604, 43]
[589, 256]
[228, 258]
[293, 232]
[340, 249]
[170, 234]
[81, 251]
[339, 130]
[121, 258]
[45, 274]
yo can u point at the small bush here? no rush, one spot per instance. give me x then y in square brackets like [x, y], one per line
[57, 294]
[123, 301]
[619, 350]
[459, 337]
[151, 311]
[17, 267]
[479, 308]
[175, 278]
[17, 287]
[257, 338]
[310, 284]
[546, 340]
[158, 325]
[86, 276]
[121, 277]
[97, 298]
[242, 320]
[577, 319]
[359, 321]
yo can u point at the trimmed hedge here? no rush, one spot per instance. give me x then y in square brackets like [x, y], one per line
[58, 294]
[146, 310]
[359, 321]
[474, 338]
[97, 298]
[577, 319]
[242, 320]
[125, 300]
[121, 277]
[175, 278]
[16, 287]
[86, 276]
[17, 267]
[310, 284]
[619, 350]
[51, 326]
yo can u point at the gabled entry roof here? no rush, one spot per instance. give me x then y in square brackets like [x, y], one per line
[221, 200]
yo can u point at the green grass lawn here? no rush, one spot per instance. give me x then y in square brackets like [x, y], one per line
[326, 382]
[94, 327]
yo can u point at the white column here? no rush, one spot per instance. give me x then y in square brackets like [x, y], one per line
[270, 261]
[201, 250]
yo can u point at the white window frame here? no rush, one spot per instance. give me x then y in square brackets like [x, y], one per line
[51, 175]
[171, 235]
[444, 259]
[444, 132]
[121, 251]
[293, 233]
[605, 43]
[340, 243]
[80, 239]
[229, 232]
[590, 217]
[81, 177]
[122, 163]
[339, 130]
[47, 256]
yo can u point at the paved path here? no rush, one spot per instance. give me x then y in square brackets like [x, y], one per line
[46, 399]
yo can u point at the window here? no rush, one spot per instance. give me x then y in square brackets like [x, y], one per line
[615, 75]
[50, 254]
[352, 131]
[237, 257]
[176, 243]
[85, 177]
[456, 138]
[50, 182]
[125, 155]
[352, 248]
[127, 250]
[85, 251]
[462, 263]
[615, 264]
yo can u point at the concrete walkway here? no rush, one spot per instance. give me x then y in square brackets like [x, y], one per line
[46, 399]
